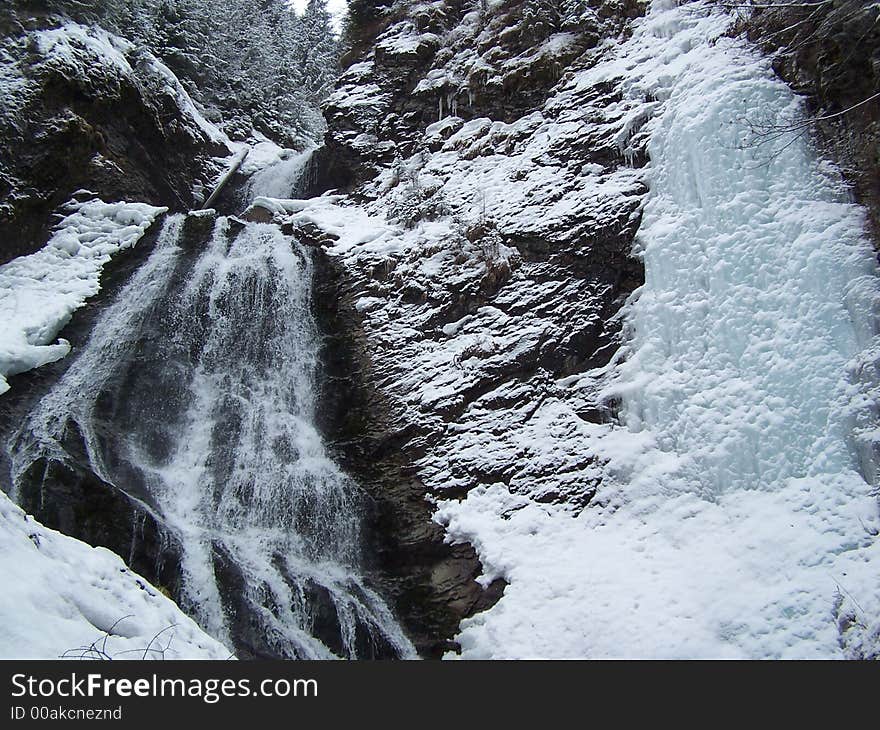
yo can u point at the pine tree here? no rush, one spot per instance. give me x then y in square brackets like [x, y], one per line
[250, 63]
[321, 49]
[362, 19]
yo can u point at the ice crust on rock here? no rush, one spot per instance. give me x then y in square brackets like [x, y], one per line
[40, 292]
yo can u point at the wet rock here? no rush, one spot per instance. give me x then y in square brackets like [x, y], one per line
[71, 499]
[197, 227]
[430, 584]
[257, 214]
[309, 234]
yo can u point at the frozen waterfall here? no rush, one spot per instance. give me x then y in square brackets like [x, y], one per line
[736, 515]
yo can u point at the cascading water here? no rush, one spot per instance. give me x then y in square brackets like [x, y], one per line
[286, 178]
[195, 394]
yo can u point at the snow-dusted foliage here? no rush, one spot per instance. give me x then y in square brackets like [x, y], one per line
[252, 65]
[62, 598]
[39, 293]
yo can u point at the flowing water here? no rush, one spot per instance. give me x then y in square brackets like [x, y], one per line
[287, 178]
[195, 394]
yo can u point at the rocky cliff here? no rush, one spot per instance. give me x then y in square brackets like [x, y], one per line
[511, 191]
[601, 358]
[87, 110]
[507, 359]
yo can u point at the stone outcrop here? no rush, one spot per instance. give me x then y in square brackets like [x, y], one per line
[422, 62]
[83, 109]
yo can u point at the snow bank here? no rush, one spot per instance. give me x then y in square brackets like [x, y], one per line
[349, 225]
[74, 45]
[731, 519]
[61, 596]
[40, 292]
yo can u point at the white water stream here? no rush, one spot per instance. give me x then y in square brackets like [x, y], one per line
[196, 393]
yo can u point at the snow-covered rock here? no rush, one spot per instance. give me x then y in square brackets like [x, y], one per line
[40, 292]
[86, 109]
[63, 598]
[701, 491]
[484, 261]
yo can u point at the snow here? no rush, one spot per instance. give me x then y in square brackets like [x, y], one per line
[366, 97]
[40, 292]
[407, 42]
[77, 49]
[60, 595]
[350, 226]
[731, 519]
[183, 101]
[263, 153]
[73, 45]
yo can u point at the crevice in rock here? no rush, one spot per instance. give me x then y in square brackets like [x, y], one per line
[431, 584]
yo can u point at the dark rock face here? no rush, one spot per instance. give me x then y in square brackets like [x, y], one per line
[432, 585]
[830, 53]
[81, 112]
[438, 376]
[71, 499]
[425, 61]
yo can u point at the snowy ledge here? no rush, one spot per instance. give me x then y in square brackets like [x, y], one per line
[39, 293]
[60, 597]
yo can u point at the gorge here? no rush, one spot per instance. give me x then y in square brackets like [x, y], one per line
[563, 343]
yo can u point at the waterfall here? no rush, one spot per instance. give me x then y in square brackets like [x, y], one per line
[288, 178]
[195, 394]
